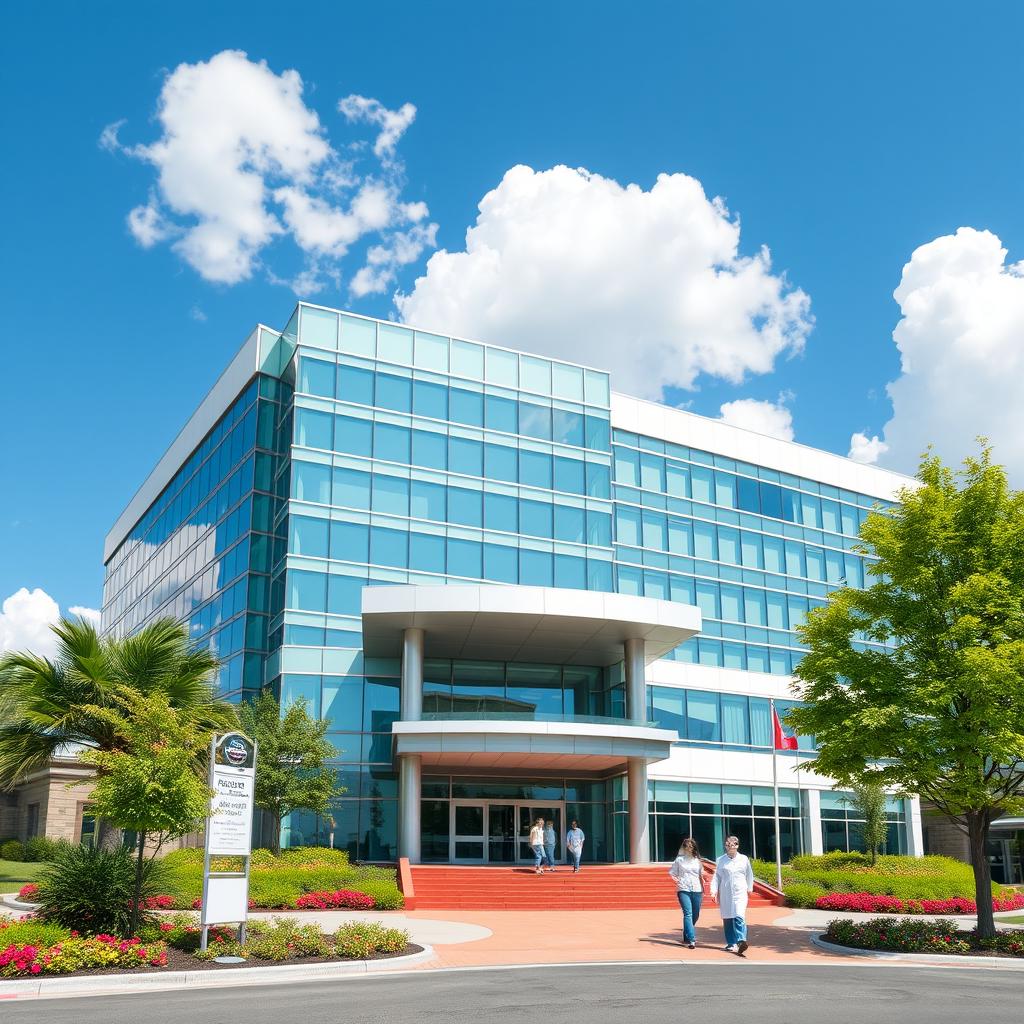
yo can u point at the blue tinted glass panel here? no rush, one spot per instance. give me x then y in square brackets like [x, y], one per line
[569, 476]
[350, 542]
[394, 393]
[680, 537]
[702, 484]
[429, 450]
[654, 528]
[344, 595]
[599, 529]
[501, 414]
[311, 482]
[569, 524]
[790, 506]
[570, 571]
[728, 545]
[466, 407]
[599, 575]
[771, 500]
[707, 599]
[500, 462]
[652, 472]
[754, 607]
[353, 436]
[306, 590]
[309, 537]
[388, 547]
[568, 427]
[598, 433]
[627, 467]
[426, 553]
[748, 497]
[751, 549]
[598, 480]
[390, 443]
[428, 501]
[810, 510]
[464, 558]
[501, 513]
[735, 720]
[351, 488]
[465, 456]
[501, 564]
[627, 526]
[430, 399]
[777, 616]
[535, 421]
[465, 507]
[702, 717]
[390, 494]
[316, 377]
[774, 554]
[535, 469]
[313, 429]
[725, 490]
[535, 518]
[535, 568]
[355, 385]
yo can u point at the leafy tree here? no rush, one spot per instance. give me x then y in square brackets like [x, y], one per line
[149, 784]
[290, 772]
[869, 803]
[44, 704]
[917, 682]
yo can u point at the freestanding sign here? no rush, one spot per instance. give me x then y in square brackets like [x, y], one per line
[229, 832]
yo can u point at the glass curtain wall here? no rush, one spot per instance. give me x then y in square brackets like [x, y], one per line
[842, 828]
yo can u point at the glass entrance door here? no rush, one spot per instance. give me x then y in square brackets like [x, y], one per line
[528, 814]
[469, 832]
[501, 833]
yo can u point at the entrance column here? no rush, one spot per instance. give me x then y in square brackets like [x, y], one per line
[635, 664]
[412, 675]
[639, 844]
[410, 784]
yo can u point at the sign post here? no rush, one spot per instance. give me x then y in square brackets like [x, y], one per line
[228, 832]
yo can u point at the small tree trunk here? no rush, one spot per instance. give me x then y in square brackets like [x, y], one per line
[977, 834]
[275, 838]
[108, 837]
[138, 885]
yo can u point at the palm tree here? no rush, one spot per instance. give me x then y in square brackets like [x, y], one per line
[43, 703]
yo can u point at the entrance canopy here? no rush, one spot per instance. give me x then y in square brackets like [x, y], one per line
[527, 624]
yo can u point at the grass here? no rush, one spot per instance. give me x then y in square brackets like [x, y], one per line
[15, 873]
[1016, 919]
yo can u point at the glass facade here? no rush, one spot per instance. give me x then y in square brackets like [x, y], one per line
[366, 452]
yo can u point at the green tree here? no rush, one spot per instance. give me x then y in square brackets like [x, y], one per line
[917, 682]
[45, 704]
[149, 783]
[290, 772]
[869, 803]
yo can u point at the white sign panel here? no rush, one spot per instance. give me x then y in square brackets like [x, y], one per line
[233, 781]
[227, 899]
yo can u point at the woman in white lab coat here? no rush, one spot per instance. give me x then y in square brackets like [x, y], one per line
[731, 883]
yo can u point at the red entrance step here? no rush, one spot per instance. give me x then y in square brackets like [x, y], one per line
[596, 887]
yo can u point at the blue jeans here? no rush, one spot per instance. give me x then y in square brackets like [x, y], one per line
[690, 904]
[549, 854]
[538, 852]
[735, 930]
[574, 856]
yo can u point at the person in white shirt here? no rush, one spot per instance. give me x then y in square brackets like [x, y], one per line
[731, 883]
[537, 845]
[574, 840]
[687, 871]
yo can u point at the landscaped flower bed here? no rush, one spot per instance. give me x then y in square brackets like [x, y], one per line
[29, 947]
[869, 903]
[892, 935]
[277, 883]
[27, 891]
[343, 899]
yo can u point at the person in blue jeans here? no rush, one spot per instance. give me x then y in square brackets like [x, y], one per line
[549, 844]
[687, 871]
[731, 884]
[537, 845]
[574, 840]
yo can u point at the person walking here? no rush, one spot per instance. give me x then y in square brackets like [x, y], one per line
[687, 871]
[549, 844]
[574, 840]
[537, 845]
[731, 883]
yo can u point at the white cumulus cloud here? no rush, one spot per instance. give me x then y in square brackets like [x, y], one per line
[961, 344]
[867, 450]
[242, 162]
[771, 418]
[26, 617]
[649, 284]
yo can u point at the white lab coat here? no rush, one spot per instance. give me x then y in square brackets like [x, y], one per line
[732, 881]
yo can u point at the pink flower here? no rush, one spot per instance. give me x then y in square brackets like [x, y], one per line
[36, 968]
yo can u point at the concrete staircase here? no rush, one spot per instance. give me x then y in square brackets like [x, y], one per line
[596, 887]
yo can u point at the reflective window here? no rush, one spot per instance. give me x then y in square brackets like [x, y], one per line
[351, 488]
[308, 537]
[311, 482]
[501, 564]
[307, 591]
[535, 469]
[430, 399]
[355, 384]
[426, 553]
[388, 547]
[535, 518]
[569, 476]
[316, 377]
[350, 542]
[428, 501]
[465, 507]
[535, 568]
[501, 414]
[501, 512]
[429, 450]
[313, 429]
[390, 442]
[353, 436]
[464, 558]
[466, 407]
[390, 494]
[570, 524]
[567, 427]
[501, 462]
[465, 456]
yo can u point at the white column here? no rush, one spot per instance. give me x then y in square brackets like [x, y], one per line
[412, 675]
[915, 829]
[639, 845]
[636, 679]
[409, 788]
[812, 837]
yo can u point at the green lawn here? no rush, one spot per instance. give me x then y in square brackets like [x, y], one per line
[15, 873]
[1016, 919]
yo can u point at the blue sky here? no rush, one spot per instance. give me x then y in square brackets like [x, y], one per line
[842, 138]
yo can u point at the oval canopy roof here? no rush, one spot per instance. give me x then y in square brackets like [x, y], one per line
[496, 622]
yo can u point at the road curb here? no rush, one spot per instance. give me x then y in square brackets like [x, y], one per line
[118, 984]
[931, 958]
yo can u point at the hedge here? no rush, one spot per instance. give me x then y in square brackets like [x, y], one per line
[276, 883]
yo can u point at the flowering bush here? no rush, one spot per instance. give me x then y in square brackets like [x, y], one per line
[359, 940]
[341, 899]
[869, 903]
[78, 954]
[159, 903]
[27, 891]
[908, 936]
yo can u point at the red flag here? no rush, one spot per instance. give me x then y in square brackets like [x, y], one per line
[782, 741]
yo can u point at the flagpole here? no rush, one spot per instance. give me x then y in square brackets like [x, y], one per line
[775, 790]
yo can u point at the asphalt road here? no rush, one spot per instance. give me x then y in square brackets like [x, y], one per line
[599, 994]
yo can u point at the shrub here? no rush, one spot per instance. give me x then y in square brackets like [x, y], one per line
[867, 903]
[309, 856]
[359, 940]
[265, 890]
[91, 890]
[12, 850]
[802, 894]
[385, 893]
[41, 848]
[30, 932]
[342, 899]
[28, 892]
